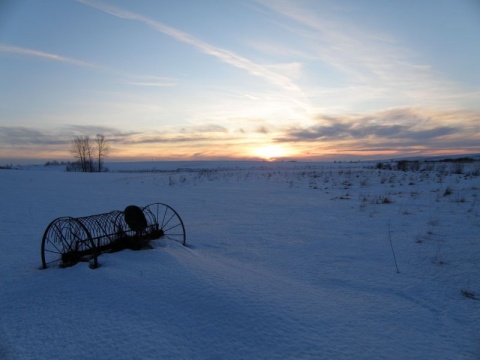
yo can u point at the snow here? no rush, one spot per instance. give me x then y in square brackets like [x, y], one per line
[284, 261]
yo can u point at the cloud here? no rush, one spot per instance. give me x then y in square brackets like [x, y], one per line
[92, 130]
[263, 130]
[224, 55]
[208, 128]
[19, 136]
[189, 139]
[394, 132]
[399, 125]
[364, 57]
[149, 81]
[354, 130]
[49, 56]
[346, 46]
[134, 80]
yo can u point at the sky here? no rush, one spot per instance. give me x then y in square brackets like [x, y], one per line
[240, 79]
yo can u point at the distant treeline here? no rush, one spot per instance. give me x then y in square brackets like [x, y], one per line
[457, 165]
[459, 160]
[75, 166]
[57, 163]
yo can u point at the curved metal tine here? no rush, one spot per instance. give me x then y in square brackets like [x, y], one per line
[76, 238]
[101, 226]
[60, 236]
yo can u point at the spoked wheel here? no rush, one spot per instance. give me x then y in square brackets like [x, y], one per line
[66, 242]
[168, 224]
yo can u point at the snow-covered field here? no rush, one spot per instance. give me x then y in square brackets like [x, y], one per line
[284, 261]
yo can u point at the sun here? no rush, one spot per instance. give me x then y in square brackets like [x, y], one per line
[271, 152]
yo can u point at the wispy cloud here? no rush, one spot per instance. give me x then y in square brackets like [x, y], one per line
[342, 44]
[207, 128]
[92, 130]
[395, 132]
[20, 136]
[149, 81]
[49, 56]
[130, 79]
[392, 129]
[14, 136]
[224, 55]
[366, 58]
[354, 130]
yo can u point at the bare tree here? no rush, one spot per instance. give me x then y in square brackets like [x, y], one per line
[102, 148]
[82, 151]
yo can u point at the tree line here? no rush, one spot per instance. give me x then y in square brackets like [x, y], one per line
[89, 153]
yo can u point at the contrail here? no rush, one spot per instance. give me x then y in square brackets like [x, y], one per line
[223, 55]
[41, 54]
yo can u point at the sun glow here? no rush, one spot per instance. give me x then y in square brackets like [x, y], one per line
[271, 152]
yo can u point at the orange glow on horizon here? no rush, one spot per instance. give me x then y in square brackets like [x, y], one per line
[233, 149]
[271, 152]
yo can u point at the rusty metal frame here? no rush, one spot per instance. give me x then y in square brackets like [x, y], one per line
[68, 240]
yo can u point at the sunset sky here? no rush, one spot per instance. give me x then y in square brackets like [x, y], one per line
[241, 79]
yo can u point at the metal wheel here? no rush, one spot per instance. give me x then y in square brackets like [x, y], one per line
[166, 222]
[66, 242]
